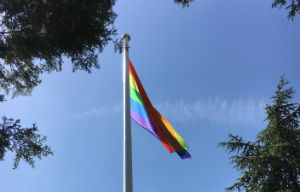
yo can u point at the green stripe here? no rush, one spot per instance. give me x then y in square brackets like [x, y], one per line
[183, 144]
[136, 96]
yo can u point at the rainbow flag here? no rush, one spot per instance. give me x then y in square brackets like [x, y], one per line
[148, 117]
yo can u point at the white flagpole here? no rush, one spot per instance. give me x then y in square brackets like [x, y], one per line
[127, 154]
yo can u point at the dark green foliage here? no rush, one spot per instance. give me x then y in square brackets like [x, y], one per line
[35, 35]
[25, 142]
[272, 162]
[293, 6]
[184, 3]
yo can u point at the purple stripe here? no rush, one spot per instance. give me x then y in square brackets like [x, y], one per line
[187, 155]
[143, 122]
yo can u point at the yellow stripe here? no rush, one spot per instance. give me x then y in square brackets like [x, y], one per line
[133, 83]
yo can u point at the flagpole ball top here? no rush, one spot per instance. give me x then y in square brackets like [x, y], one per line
[126, 37]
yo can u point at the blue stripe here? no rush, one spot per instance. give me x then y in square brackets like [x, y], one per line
[139, 109]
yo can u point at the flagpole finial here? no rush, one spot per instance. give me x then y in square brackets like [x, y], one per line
[126, 38]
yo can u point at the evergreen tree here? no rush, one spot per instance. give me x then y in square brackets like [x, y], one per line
[272, 162]
[26, 143]
[293, 6]
[35, 35]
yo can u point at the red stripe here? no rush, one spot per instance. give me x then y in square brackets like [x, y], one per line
[164, 135]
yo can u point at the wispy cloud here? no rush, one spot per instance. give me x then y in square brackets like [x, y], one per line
[99, 111]
[216, 110]
[238, 111]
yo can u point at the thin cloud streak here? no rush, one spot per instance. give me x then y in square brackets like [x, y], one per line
[218, 110]
[99, 111]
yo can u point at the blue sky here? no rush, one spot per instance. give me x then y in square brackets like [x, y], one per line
[209, 69]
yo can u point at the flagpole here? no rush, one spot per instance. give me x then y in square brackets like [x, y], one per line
[127, 154]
